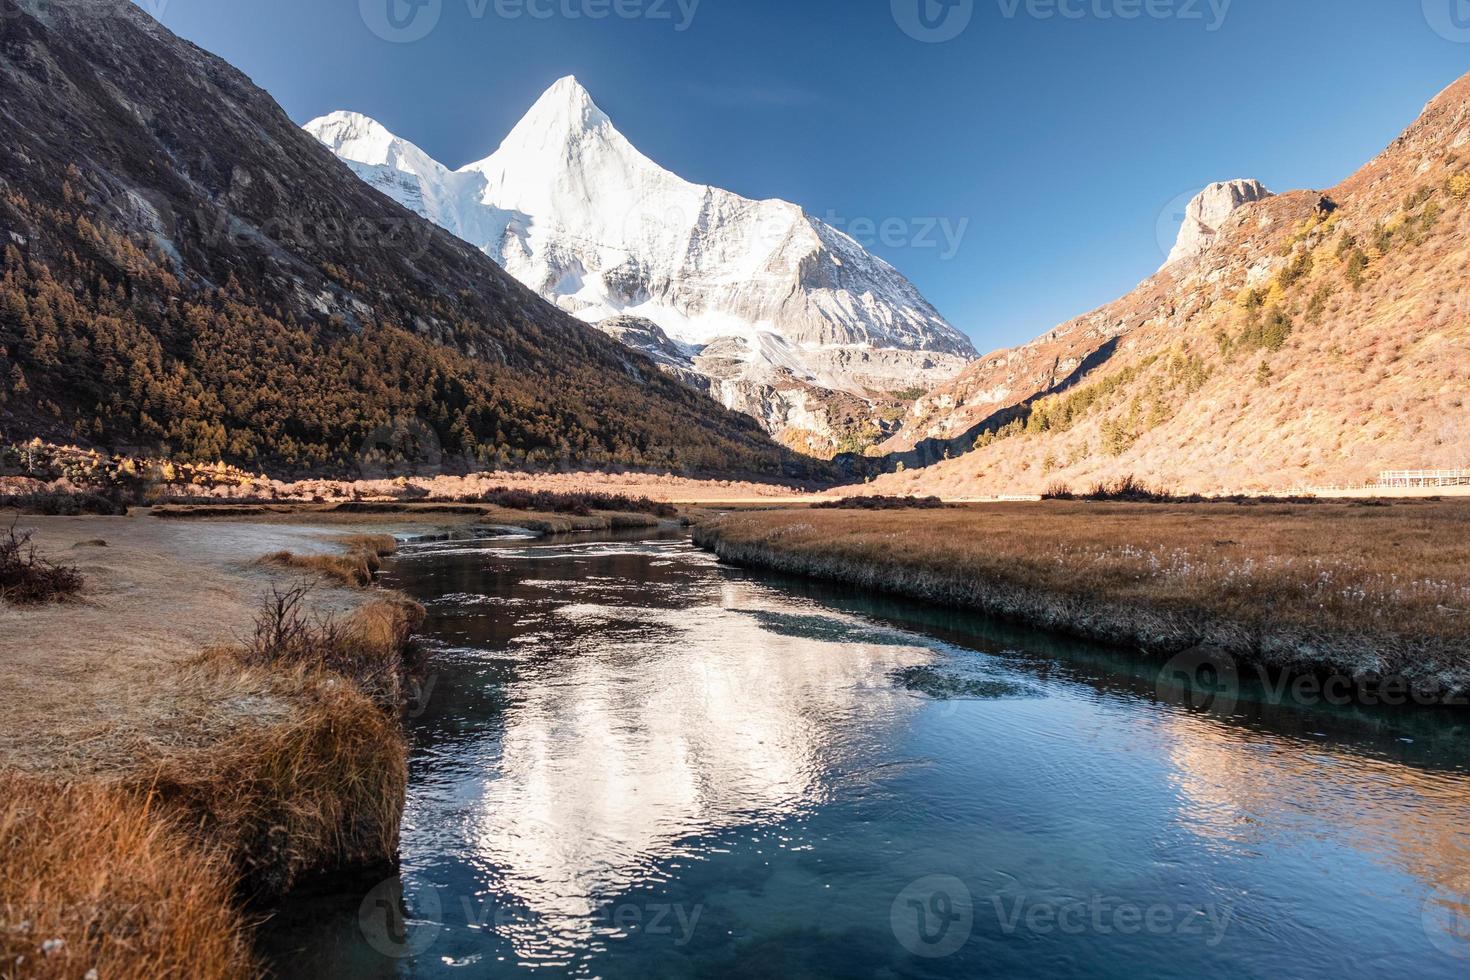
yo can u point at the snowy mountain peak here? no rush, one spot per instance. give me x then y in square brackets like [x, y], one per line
[564, 116]
[362, 139]
[572, 209]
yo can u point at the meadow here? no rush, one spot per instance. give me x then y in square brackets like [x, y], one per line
[1363, 589]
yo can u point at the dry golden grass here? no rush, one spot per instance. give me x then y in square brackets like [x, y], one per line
[320, 791]
[96, 879]
[137, 829]
[1343, 587]
[355, 568]
[351, 569]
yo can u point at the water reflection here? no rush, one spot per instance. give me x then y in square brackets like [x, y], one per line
[637, 728]
[620, 724]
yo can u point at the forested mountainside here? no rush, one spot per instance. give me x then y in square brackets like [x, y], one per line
[187, 273]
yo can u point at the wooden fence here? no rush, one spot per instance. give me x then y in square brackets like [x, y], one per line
[1424, 478]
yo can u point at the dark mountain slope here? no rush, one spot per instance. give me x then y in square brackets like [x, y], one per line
[187, 272]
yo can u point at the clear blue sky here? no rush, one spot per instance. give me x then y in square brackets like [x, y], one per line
[1060, 140]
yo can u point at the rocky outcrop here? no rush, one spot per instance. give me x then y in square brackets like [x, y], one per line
[1207, 212]
[1318, 339]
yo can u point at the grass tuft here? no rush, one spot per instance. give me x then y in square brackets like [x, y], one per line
[98, 882]
[319, 792]
[356, 568]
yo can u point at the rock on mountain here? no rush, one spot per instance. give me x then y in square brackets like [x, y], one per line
[572, 209]
[1207, 212]
[1320, 339]
[183, 271]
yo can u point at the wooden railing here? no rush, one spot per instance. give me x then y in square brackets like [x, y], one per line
[1424, 478]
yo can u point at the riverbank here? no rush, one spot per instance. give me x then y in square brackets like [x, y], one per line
[173, 755]
[1340, 589]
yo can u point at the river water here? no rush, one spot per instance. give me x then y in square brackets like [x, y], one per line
[631, 761]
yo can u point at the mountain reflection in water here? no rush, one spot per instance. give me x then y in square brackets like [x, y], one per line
[757, 768]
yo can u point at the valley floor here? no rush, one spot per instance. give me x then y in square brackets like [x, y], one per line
[163, 765]
[1373, 594]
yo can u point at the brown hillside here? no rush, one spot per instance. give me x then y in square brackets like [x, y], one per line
[1323, 338]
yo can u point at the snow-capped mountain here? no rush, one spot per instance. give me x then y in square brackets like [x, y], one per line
[572, 209]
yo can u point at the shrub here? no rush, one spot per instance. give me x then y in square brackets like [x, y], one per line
[1356, 267]
[351, 569]
[322, 790]
[54, 503]
[880, 502]
[1318, 303]
[28, 579]
[1295, 270]
[577, 504]
[366, 647]
[1127, 489]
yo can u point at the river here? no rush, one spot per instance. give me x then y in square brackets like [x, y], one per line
[630, 761]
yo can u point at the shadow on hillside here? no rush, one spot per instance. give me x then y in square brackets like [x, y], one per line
[932, 451]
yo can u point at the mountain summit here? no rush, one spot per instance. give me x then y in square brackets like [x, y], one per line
[184, 272]
[779, 311]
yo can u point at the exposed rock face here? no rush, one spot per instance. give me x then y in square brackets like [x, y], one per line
[1208, 211]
